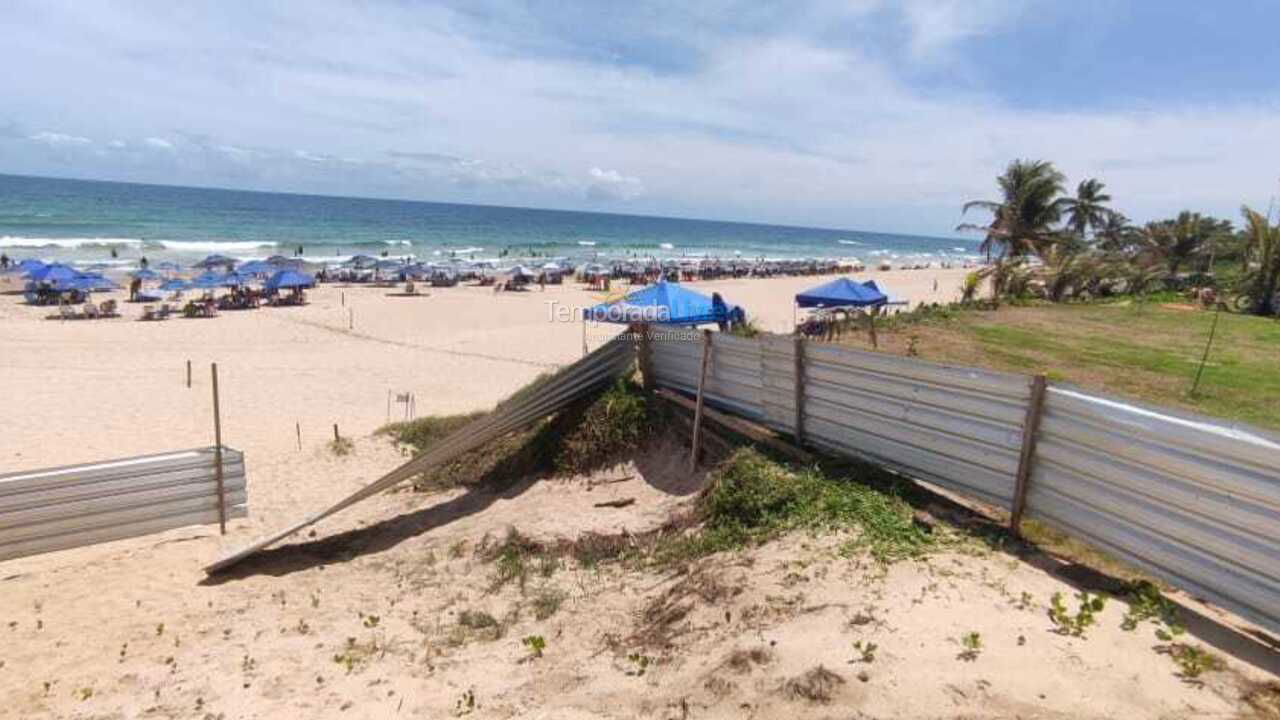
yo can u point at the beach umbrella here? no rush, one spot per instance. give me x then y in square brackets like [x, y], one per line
[29, 265]
[666, 304]
[290, 279]
[53, 272]
[168, 266]
[521, 271]
[236, 279]
[256, 267]
[207, 281]
[214, 261]
[97, 282]
[175, 285]
[361, 262]
[145, 274]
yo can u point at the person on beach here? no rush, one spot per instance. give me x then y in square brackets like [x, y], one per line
[143, 262]
[4, 262]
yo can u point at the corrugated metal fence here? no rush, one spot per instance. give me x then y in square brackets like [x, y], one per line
[77, 505]
[1188, 499]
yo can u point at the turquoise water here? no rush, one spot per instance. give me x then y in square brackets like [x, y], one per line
[87, 220]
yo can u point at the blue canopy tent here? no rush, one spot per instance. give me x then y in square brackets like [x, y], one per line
[290, 279]
[666, 304]
[29, 265]
[214, 261]
[845, 294]
[207, 281]
[256, 267]
[52, 273]
[842, 293]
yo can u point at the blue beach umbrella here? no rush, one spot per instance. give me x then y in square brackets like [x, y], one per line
[97, 282]
[54, 272]
[30, 265]
[168, 266]
[361, 262]
[175, 285]
[207, 281]
[290, 279]
[145, 274]
[236, 279]
[256, 267]
[214, 261]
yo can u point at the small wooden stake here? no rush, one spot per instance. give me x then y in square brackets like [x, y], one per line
[799, 370]
[335, 432]
[188, 373]
[217, 453]
[1029, 429]
[646, 355]
[298, 426]
[697, 413]
[351, 318]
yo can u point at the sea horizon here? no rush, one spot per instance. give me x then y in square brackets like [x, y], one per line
[118, 223]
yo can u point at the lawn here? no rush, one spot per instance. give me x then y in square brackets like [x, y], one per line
[1149, 351]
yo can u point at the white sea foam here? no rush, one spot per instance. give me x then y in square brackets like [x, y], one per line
[587, 243]
[213, 246]
[67, 243]
[849, 242]
[666, 246]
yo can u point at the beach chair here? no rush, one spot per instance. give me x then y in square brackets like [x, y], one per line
[108, 309]
[149, 313]
[91, 311]
[66, 312]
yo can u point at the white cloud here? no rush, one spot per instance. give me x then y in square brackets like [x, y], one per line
[56, 139]
[613, 185]
[791, 120]
[158, 143]
[117, 144]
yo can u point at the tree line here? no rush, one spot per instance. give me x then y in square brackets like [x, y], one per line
[1040, 240]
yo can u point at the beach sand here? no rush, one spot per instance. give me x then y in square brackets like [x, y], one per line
[127, 629]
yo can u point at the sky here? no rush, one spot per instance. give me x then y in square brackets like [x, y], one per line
[883, 115]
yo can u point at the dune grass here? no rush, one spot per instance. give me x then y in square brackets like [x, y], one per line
[1147, 351]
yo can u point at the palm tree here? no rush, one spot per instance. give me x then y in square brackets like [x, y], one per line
[1178, 240]
[1263, 242]
[1087, 210]
[1030, 205]
[1117, 234]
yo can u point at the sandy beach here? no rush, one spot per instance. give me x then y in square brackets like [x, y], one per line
[127, 629]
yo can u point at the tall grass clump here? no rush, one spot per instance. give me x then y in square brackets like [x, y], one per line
[616, 423]
[754, 499]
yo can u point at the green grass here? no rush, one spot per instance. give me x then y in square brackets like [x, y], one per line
[580, 439]
[754, 499]
[1148, 351]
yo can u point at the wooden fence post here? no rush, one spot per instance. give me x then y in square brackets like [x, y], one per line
[697, 412]
[646, 355]
[799, 399]
[1030, 427]
[217, 453]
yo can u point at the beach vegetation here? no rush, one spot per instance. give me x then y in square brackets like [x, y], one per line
[1075, 625]
[753, 498]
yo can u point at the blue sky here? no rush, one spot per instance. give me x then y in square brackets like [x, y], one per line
[868, 114]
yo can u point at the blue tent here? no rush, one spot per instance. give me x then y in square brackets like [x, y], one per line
[97, 282]
[207, 281]
[53, 272]
[214, 261]
[842, 292]
[290, 279]
[667, 304]
[256, 267]
[236, 279]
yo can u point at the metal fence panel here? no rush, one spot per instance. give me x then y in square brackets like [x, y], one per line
[1189, 500]
[72, 506]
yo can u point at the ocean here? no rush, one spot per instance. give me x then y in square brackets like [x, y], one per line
[116, 224]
